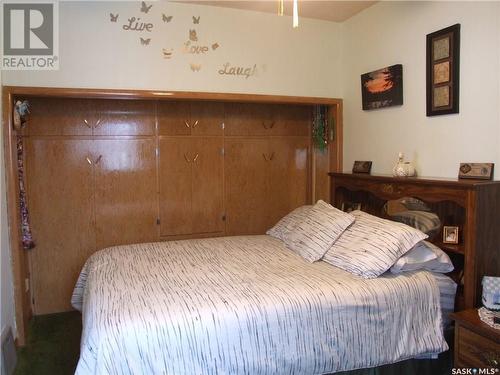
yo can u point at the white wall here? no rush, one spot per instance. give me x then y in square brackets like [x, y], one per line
[7, 294]
[95, 52]
[395, 33]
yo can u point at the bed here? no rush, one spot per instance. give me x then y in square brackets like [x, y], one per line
[248, 305]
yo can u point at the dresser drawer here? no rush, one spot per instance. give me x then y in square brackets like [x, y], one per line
[475, 350]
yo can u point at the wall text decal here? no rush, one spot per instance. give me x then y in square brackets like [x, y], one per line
[228, 69]
[135, 25]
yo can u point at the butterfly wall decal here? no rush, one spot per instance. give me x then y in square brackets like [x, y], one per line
[145, 42]
[113, 18]
[167, 53]
[195, 67]
[196, 20]
[145, 8]
[166, 18]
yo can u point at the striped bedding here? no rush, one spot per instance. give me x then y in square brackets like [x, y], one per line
[246, 305]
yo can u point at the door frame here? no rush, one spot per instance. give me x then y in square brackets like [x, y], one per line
[20, 270]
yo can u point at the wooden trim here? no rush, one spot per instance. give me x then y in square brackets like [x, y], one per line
[165, 95]
[336, 147]
[19, 267]
[440, 181]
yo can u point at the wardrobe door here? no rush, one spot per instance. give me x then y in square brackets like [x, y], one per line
[174, 118]
[246, 179]
[291, 120]
[248, 119]
[288, 176]
[60, 199]
[207, 185]
[176, 158]
[124, 117]
[59, 116]
[206, 118]
[126, 200]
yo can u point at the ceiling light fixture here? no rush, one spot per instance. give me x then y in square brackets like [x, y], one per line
[295, 16]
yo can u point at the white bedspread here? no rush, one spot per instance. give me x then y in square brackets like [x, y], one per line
[245, 305]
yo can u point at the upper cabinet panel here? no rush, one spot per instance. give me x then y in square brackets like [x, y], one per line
[58, 116]
[267, 119]
[292, 120]
[249, 119]
[173, 118]
[124, 117]
[206, 118]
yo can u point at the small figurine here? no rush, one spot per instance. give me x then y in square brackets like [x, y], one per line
[402, 168]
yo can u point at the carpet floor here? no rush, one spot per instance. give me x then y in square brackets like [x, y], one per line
[53, 348]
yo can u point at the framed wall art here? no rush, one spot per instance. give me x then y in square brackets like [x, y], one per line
[443, 71]
[382, 88]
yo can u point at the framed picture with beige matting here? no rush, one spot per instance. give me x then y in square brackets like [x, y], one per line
[443, 71]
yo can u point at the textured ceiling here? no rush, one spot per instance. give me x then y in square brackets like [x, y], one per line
[337, 11]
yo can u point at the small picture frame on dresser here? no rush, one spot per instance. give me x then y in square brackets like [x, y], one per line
[479, 171]
[450, 234]
[361, 166]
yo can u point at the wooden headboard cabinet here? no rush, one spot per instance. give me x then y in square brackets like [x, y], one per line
[472, 205]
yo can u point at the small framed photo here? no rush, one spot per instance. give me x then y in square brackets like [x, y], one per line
[362, 166]
[450, 235]
[482, 171]
[350, 206]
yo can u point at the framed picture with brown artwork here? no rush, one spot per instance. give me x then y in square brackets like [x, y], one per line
[443, 71]
[382, 88]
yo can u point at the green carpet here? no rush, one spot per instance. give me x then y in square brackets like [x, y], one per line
[54, 344]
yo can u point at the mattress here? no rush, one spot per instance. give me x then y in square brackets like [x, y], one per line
[246, 305]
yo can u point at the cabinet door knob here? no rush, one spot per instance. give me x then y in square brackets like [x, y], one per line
[89, 161]
[97, 123]
[196, 157]
[97, 161]
[195, 124]
[264, 156]
[87, 123]
[272, 156]
[187, 124]
[187, 158]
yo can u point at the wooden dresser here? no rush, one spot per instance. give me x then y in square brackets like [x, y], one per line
[472, 205]
[477, 345]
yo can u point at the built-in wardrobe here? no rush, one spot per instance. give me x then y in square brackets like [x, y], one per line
[106, 172]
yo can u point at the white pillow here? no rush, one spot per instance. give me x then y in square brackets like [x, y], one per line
[288, 222]
[372, 245]
[317, 231]
[424, 256]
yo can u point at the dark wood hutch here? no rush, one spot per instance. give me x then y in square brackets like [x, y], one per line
[472, 205]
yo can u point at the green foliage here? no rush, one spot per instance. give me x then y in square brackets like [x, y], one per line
[320, 127]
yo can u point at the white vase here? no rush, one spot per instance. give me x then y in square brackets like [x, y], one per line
[402, 168]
